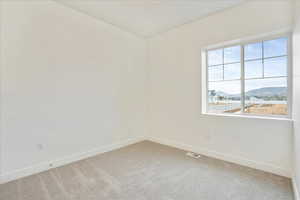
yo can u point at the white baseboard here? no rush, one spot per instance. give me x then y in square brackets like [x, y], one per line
[226, 157]
[63, 161]
[295, 189]
[79, 156]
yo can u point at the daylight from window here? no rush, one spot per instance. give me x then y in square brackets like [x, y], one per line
[249, 78]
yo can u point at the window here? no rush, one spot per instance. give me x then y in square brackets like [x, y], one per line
[249, 78]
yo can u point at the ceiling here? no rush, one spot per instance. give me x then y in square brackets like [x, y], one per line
[147, 18]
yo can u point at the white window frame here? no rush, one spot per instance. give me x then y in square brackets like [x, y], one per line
[242, 43]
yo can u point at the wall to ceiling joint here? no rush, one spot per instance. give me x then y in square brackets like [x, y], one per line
[147, 18]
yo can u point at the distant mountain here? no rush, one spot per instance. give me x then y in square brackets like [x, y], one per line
[224, 94]
[261, 92]
[267, 91]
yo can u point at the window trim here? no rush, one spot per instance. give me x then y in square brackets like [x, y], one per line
[242, 43]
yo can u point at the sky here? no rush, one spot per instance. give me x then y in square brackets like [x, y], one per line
[265, 59]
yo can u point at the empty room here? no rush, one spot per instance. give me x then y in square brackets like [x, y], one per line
[149, 99]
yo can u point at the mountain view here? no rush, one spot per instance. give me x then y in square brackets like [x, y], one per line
[267, 93]
[267, 100]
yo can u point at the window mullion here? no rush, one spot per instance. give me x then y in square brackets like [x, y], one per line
[242, 80]
[263, 60]
[223, 66]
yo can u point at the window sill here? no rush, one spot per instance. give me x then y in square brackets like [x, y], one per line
[249, 116]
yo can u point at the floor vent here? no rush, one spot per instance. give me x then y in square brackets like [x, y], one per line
[192, 154]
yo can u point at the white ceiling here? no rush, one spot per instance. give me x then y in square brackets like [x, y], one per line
[149, 17]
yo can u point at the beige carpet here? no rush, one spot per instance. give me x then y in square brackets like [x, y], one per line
[149, 171]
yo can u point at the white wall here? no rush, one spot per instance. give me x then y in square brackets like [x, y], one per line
[296, 114]
[69, 84]
[175, 90]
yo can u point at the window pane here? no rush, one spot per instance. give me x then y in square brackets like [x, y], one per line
[253, 51]
[275, 66]
[215, 57]
[253, 69]
[232, 71]
[224, 97]
[276, 47]
[215, 73]
[266, 96]
[232, 54]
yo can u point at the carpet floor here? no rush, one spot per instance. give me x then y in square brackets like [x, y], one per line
[149, 171]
